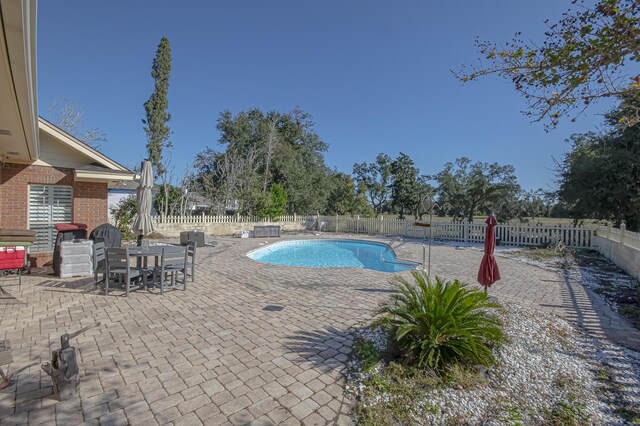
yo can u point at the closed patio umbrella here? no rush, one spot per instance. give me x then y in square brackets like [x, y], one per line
[489, 272]
[142, 223]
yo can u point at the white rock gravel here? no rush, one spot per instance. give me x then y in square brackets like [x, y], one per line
[545, 362]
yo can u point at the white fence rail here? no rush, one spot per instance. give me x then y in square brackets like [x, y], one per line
[620, 235]
[515, 235]
[195, 219]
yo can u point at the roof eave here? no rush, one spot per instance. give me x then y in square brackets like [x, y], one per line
[108, 176]
[78, 145]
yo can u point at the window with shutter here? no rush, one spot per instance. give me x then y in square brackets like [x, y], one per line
[48, 205]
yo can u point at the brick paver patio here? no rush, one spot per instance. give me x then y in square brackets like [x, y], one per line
[247, 343]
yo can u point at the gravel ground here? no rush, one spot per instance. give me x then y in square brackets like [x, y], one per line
[546, 362]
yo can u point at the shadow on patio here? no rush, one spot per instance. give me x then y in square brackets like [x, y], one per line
[328, 349]
[591, 312]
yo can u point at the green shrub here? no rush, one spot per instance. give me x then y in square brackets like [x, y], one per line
[442, 323]
[275, 203]
[367, 353]
[123, 213]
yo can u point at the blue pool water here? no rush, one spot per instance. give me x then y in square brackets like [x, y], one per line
[331, 254]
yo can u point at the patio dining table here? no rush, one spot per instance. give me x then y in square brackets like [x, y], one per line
[145, 252]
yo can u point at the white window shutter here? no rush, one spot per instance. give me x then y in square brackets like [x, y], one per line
[48, 205]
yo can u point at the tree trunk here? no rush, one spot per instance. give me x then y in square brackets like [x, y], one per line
[472, 210]
[271, 141]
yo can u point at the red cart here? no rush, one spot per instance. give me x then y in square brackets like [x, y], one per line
[13, 259]
[14, 245]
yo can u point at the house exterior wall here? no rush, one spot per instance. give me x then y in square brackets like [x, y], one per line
[89, 198]
[54, 153]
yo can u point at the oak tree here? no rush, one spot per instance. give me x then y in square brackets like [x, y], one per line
[591, 53]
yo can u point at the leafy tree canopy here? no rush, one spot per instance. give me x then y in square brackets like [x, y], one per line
[374, 180]
[592, 53]
[344, 198]
[262, 150]
[405, 191]
[466, 187]
[600, 177]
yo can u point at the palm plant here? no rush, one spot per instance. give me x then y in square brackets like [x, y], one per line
[443, 322]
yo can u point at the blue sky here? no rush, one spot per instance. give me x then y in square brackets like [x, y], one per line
[375, 75]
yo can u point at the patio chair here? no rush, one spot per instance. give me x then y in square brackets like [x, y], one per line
[191, 259]
[99, 264]
[172, 262]
[118, 265]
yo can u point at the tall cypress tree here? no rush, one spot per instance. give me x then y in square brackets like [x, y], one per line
[157, 130]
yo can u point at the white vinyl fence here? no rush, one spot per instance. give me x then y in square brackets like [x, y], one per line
[204, 219]
[515, 235]
[620, 235]
[620, 246]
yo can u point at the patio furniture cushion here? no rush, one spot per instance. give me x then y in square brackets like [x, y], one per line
[6, 232]
[16, 243]
[70, 226]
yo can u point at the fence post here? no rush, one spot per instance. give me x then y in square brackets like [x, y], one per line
[357, 224]
[623, 230]
[381, 229]
[337, 218]
[466, 230]
[295, 219]
[609, 230]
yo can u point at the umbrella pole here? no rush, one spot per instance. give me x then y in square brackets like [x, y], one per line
[139, 240]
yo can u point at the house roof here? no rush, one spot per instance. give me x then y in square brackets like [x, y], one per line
[18, 85]
[21, 130]
[76, 144]
[125, 186]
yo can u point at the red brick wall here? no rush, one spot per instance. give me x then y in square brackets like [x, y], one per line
[89, 198]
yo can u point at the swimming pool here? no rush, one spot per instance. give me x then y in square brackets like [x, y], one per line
[331, 254]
